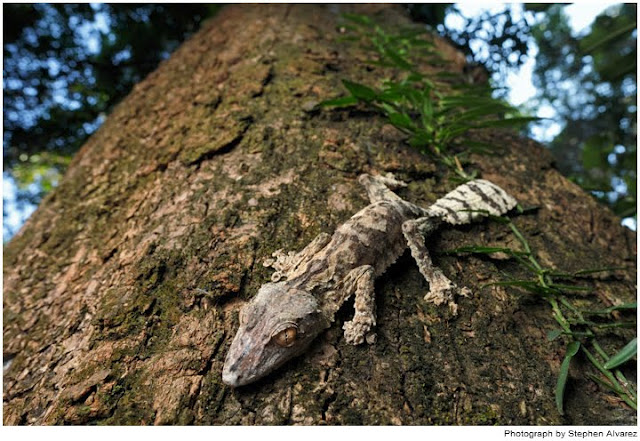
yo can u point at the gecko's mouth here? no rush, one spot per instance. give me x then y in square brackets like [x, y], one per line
[231, 378]
[235, 378]
[234, 374]
[247, 361]
[241, 365]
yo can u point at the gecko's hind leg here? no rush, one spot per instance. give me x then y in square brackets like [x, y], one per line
[379, 187]
[286, 262]
[441, 289]
[357, 330]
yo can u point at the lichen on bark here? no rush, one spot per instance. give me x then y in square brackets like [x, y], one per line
[121, 292]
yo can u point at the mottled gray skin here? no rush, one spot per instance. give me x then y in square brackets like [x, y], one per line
[310, 286]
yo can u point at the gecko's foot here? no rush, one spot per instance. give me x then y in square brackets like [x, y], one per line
[445, 292]
[280, 261]
[391, 181]
[357, 330]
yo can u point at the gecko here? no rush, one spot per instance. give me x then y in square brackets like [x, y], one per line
[309, 287]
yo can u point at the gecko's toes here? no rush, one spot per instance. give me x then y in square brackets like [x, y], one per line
[390, 180]
[440, 296]
[447, 294]
[356, 330]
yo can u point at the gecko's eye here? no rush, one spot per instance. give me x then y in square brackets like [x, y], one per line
[286, 337]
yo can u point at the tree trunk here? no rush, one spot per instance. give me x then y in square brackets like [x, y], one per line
[122, 290]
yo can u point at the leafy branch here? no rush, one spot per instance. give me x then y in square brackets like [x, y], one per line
[435, 116]
[576, 325]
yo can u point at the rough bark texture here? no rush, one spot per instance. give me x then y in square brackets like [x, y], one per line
[121, 292]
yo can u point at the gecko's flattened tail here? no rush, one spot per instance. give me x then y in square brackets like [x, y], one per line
[472, 200]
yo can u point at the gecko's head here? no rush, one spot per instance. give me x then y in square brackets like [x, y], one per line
[275, 326]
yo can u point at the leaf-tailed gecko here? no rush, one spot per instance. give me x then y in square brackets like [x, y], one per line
[309, 287]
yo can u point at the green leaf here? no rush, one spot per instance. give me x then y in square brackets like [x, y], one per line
[421, 139]
[624, 355]
[360, 91]
[508, 122]
[630, 179]
[391, 96]
[572, 350]
[595, 151]
[619, 67]
[606, 384]
[500, 219]
[362, 20]
[466, 101]
[401, 120]
[599, 270]
[388, 108]
[427, 108]
[587, 45]
[344, 101]
[411, 33]
[552, 335]
[452, 131]
[480, 147]
[483, 110]
[414, 77]
[614, 325]
[571, 287]
[397, 59]
[613, 308]
[537, 7]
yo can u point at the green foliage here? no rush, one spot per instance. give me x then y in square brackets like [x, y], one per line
[612, 31]
[625, 354]
[41, 169]
[572, 349]
[66, 66]
[576, 325]
[598, 107]
[435, 116]
[589, 80]
[504, 35]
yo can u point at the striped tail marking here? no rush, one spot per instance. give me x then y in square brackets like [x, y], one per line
[472, 200]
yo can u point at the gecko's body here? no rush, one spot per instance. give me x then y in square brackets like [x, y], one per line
[309, 287]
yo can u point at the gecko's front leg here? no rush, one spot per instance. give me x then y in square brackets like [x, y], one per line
[284, 263]
[360, 282]
[441, 289]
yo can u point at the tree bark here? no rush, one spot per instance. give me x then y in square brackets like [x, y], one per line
[121, 292]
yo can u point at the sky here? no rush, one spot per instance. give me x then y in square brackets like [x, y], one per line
[581, 15]
[520, 82]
